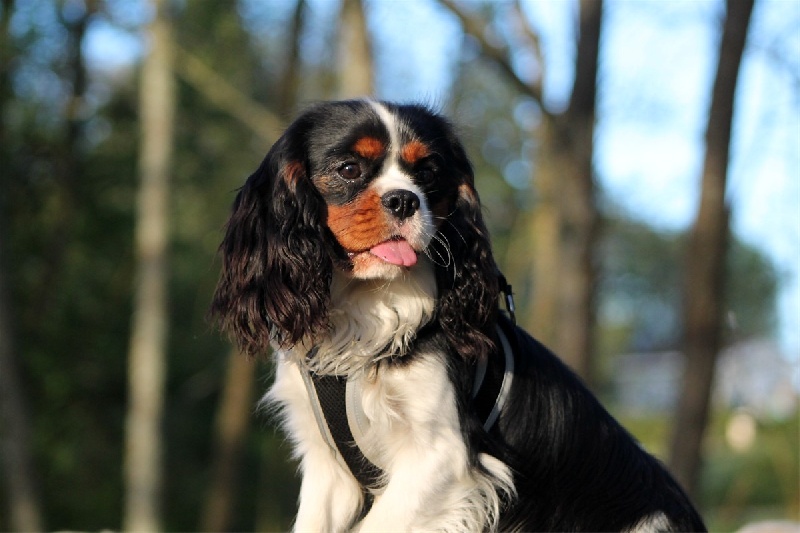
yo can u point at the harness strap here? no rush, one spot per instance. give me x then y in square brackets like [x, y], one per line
[337, 407]
[331, 396]
[489, 400]
[339, 413]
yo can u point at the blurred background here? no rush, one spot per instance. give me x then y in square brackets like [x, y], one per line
[639, 166]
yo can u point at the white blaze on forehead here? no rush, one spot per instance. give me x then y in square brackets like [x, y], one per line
[392, 125]
[393, 177]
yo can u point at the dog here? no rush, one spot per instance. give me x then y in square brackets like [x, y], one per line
[358, 252]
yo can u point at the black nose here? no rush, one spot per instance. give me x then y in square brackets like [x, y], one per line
[400, 203]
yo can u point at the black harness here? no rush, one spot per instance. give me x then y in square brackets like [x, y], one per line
[337, 406]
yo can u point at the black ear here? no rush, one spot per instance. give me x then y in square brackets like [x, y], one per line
[276, 269]
[468, 284]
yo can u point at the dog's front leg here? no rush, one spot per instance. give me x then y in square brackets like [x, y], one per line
[329, 497]
[431, 483]
[418, 489]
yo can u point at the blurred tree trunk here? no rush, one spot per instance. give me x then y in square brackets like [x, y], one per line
[25, 512]
[65, 201]
[15, 442]
[569, 142]
[561, 233]
[705, 258]
[232, 424]
[290, 82]
[148, 344]
[355, 69]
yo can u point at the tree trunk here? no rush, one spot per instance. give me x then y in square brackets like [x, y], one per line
[566, 220]
[562, 230]
[355, 52]
[148, 344]
[705, 259]
[232, 424]
[15, 442]
[290, 81]
[544, 234]
[579, 209]
[65, 202]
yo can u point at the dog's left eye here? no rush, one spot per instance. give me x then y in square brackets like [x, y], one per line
[350, 171]
[426, 174]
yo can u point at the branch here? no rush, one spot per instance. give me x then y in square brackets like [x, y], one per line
[499, 55]
[220, 92]
[523, 26]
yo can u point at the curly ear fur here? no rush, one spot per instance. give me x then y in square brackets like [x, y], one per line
[468, 286]
[276, 270]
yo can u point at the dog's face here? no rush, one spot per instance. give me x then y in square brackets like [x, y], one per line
[387, 182]
[361, 188]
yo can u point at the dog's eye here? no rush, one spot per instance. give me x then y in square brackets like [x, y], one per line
[350, 171]
[426, 174]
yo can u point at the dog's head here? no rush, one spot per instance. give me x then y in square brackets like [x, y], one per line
[362, 188]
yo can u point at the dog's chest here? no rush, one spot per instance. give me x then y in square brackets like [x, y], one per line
[395, 410]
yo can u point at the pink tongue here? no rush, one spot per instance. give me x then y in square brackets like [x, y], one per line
[396, 253]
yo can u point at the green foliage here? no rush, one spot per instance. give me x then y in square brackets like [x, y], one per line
[739, 487]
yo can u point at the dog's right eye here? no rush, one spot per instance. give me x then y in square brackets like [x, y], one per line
[350, 171]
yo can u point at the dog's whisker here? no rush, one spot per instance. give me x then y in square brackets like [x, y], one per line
[446, 257]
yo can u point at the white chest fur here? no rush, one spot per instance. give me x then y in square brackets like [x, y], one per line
[373, 319]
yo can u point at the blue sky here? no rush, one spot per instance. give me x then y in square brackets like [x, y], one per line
[657, 65]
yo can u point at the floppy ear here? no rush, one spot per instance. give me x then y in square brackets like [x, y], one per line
[468, 285]
[276, 270]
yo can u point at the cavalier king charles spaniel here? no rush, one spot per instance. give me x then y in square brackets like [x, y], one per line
[358, 252]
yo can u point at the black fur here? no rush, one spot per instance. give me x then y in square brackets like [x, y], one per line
[277, 264]
[577, 467]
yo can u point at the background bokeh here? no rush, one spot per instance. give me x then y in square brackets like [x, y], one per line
[70, 143]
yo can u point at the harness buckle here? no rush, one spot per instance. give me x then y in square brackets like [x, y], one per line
[505, 288]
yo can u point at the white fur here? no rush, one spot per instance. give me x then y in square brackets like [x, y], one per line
[414, 433]
[391, 123]
[369, 316]
[653, 524]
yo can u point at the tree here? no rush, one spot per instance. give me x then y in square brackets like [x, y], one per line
[290, 80]
[562, 230]
[354, 74]
[705, 257]
[15, 439]
[233, 420]
[147, 356]
[15, 431]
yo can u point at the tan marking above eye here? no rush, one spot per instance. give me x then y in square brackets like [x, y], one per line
[414, 151]
[369, 147]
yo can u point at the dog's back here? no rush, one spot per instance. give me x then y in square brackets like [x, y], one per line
[576, 468]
